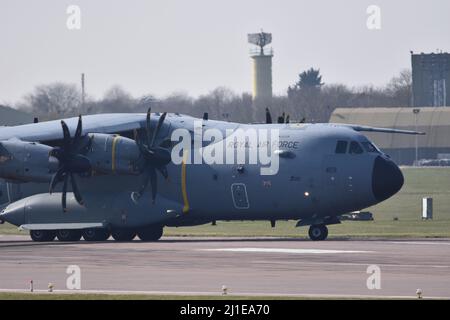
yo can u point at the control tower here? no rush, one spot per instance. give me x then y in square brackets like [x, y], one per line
[262, 68]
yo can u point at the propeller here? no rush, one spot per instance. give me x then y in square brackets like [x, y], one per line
[155, 157]
[71, 162]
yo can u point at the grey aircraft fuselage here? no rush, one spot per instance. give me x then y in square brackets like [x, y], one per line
[330, 170]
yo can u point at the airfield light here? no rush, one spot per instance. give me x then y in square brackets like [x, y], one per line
[419, 293]
[306, 194]
[224, 290]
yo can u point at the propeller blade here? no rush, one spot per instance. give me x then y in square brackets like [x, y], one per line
[75, 190]
[153, 182]
[139, 143]
[158, 127]
[160, 156]
[287, 119]
[55, 179]
[163, 171]
[67, 139]
[268, 116]
[64, 193]
[79, 130]
[144, 183]
[148, 123]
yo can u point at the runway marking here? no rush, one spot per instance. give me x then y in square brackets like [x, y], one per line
[422, 243]
[423, 266]
[285, 250]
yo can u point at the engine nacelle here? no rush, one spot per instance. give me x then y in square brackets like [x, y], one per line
[113, 154]
[24, 161]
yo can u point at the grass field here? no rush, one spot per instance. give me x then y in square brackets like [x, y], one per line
[406, 206]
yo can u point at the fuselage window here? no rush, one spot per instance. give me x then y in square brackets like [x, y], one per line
[341, 147]
[355, 148]
[370, 147]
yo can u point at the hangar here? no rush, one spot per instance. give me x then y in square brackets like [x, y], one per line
[404, 149]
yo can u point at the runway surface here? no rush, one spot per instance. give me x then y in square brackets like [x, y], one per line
[255, 266]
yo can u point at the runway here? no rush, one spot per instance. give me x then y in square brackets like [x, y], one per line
[249, 266]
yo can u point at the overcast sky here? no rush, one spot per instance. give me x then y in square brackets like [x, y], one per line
[193, 46]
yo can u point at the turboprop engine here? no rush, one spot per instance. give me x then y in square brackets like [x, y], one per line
[113, 154]
[24, 161]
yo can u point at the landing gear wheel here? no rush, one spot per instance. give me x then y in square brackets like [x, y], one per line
[318, 232]
[42, 235]
[68, 235]
[151, 233]
[96, 234]
[123, 234]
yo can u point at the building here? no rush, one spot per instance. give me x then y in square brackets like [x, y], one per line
[13, 117]
[262, 68]
[431, 79]
[434, 121]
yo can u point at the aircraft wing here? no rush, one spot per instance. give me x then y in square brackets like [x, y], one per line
[51, 130]
[375, 129]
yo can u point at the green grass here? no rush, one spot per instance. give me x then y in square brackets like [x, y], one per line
[406, 206]
[412, 229]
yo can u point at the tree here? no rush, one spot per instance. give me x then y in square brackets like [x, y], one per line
[309, 79]
[400, 88]
[53, 100]
[116, 99]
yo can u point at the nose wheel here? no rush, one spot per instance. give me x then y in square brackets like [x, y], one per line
[318, 232]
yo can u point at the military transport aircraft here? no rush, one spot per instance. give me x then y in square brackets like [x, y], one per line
[114, 174]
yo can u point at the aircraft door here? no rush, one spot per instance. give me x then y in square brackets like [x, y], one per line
[332, 180]
[338, 182]
[3, 193]
[239, 195]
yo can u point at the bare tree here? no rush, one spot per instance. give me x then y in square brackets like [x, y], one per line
[400, 88]
[53, 100]
[308, 99]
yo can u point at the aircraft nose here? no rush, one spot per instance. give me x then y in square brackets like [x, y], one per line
[387, 179]
[14, 214]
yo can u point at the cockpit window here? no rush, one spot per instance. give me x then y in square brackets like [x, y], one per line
[369, 147]
[341, 147]
[355, 148]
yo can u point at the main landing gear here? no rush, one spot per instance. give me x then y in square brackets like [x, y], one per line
[42, 235]
[96, 234]
[318, 232]
[148, 233]
[68, 235]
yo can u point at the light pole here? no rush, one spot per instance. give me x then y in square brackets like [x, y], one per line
[416, 113]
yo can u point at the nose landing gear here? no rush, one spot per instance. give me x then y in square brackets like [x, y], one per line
[318, 232]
